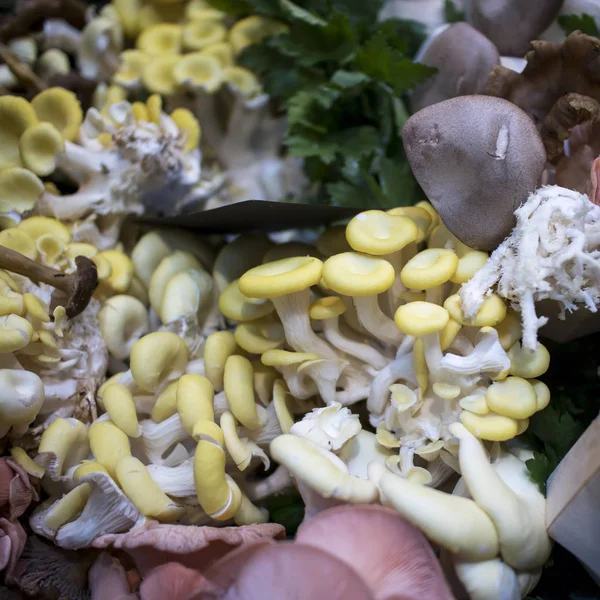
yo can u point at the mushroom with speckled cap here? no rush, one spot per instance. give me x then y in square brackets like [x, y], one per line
[477, 159]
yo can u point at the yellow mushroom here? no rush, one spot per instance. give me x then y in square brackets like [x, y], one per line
[53, 62]
[35, 227]
[491, 426]
[252, 30]
[219, 346]
[428, 270]
[222, 51]
[64, 441]
[121, 270]
[16, 116]
[260, 335]
[161, 39]
[491, 314]
[200, 33]
[188, 125]
[238, 383]
[134, 479]
[158, 75]
[166, 403]
[513, 397]
[21, 398]
[237, 307]
[20, 189]
[528, 363]
[241, 450]
[156, 358]
[22, 458]
[187, 293]
[108, 444]
[194, 400]
[131, 67]
[120, 406]
[197, 71]
[15, 333]
[242, 81]
[61, 108]
[39, 146]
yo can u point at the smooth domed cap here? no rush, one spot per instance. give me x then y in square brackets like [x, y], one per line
[281, 277]
[512, 24]
[327, 308]
[421, 217]
[377, 232]
[354, 274]
[429, 268]
[464, 59]
[421, 318]
[260, 335]
[164, 38]
[477, 159]
[237, 307]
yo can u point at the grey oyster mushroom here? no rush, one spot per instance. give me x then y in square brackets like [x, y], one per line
[477, 159]
[512, 24]
[464, 59]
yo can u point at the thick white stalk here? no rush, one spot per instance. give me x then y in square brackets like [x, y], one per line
[375, 321]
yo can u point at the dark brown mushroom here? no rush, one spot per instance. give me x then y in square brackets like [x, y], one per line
[77, 288]
[512, 24]
[464, 59]
[477, 159]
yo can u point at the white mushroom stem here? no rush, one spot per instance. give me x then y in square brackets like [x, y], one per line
[488, 580]
[293, 311]
[375, 321]
[359, 350]
[457, 524]
[510, 498]
[488, 356]
[175, 481]
[57, 33]
[158, 438]
[401, 368]
[433, 353]
[275, 483]
[300, 385]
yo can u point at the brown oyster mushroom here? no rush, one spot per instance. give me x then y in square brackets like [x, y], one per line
[477, 159]
[464, 59]
[512, 24]
[107, 580]
[391, 556]
[175, 582]
[16, 491]
[47, 572]
[552, 71]
[289, 571]
[12, 542]
[195, 547]
[73, 291]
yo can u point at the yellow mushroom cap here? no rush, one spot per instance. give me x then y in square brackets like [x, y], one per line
[39, 147]
[16, 116]
[333, 241]
[421, 318]
[121, 270]
[158, 75]
[426, 205]
[22, 458]
[491, 427]
[120, 406]
[238, 380]
[242, 81]
[491, 313]
[542, 392]
[219, 346]
[154, 108]
[284, 358]
[421, 217]
[140, 112]
[188, 124]
[429, 268]
[514, 397]
[326, 308]
[61, 108]
[468, 265]
[528, 363]
[108, 445]
[377, 232]
[281, 277]
[201, 33]
[39, 226]
[19, 241]
[86, 467]
[354, 274]
[200, 9]
[237, 307]
[131, 67]
[161, 39]
[260, 335]
[222, 51]
[20, 188]
[194, 397]
[197, 71]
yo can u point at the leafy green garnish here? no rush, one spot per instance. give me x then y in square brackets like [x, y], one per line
[340, 75]
[453, 15]
[574, 404]
[584, 23]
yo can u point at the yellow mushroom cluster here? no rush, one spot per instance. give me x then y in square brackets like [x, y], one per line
[120, 162]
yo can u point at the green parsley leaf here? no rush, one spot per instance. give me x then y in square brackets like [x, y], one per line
[301, 14]
[453, 15]
[242, 8]
[349, 79]
[404, 35]
[584, 23]
[386, 64]
[540, 467]
[397, 183]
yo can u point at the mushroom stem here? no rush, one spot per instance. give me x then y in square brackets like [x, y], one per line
[293, 312]
[359, 350]
[374, 320]
[21, 71]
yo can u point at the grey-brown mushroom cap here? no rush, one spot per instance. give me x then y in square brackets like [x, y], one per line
[464, 59]
[477, 159]
[512, 24]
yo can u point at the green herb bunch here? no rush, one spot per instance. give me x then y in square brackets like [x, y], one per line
[339, 75]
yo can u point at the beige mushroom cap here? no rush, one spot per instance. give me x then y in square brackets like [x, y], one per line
[477, 159]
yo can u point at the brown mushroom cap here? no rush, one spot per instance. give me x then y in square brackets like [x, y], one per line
[512, 24]
[464, 59]
[477, 159]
